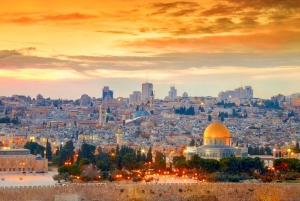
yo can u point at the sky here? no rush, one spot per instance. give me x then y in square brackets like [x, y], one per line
[66, 48]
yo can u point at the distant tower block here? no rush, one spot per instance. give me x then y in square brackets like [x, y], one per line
[102, 114]
[119, 137]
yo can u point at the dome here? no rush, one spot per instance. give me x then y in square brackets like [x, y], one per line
[140, 113]
[216, 130]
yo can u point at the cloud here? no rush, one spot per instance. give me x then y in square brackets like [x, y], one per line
[117, 32]
[71, 16]
[31, 18]
[220, 9]
[184, 7]
[267, 4]
[183, 12]
[269, 41]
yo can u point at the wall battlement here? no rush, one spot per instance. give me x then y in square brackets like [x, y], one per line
[142, 191]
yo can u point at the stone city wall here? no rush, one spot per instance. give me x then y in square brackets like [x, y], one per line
[157, 192]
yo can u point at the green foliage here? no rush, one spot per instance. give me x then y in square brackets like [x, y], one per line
[179, 162]
[192, 143]
[209, 118]
[62, 169]
[5, 120]
[74, 169]
[160, 161]
[129, 161]
[203, 165]
[48, 151]
[87, 151]
[84, 161]
[259, 151]
[102, 166]
[149, 155]
[55, 159]
[34, 148]
[226, 105]
[184, 111]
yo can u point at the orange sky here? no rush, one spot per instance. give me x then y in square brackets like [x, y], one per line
[63, 49]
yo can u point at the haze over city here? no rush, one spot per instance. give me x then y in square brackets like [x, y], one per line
[63, 49]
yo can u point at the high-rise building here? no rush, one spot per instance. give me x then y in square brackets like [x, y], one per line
[172, 93]
[107, 95]
[238, 93]
[135, 97]
[39, 98]
[249, 92]
[147, 89]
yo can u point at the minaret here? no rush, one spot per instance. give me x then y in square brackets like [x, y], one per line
[119, 137]
[102, 115]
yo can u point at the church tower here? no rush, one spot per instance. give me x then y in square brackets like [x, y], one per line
[152, 99]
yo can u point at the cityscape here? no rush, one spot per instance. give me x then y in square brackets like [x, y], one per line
[149, 100]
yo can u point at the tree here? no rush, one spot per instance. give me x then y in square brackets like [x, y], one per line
[230, 165]
[74, 169]
[222, 118]
[35, 148]
[55, 159]
[268, 150]
[209, 118]
[149, 155]
[129, 162]
[192, 143]
[261, 151]
[48, 151]
[89, 172]
[83, 162]
[87, 151]
[179, 162]
[102, 166]
[57, 178]
[160, 161]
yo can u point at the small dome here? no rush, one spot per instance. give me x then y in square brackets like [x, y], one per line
[140, 113]
[216, 130]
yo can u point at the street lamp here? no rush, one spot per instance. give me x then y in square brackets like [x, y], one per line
[68, 163]
[289, 151]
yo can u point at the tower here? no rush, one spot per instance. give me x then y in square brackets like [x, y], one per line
[146, 91]
[152, 98]
[119, 136]
[102, 114]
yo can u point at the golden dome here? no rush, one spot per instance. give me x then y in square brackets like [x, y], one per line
[216, 130]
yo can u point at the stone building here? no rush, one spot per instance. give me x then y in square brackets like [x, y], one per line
[20, 160]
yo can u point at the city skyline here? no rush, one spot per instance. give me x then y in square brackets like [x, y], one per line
[63, 49]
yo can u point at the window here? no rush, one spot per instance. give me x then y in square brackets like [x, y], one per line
[14, 169]
[9, 169]
[0, 169]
